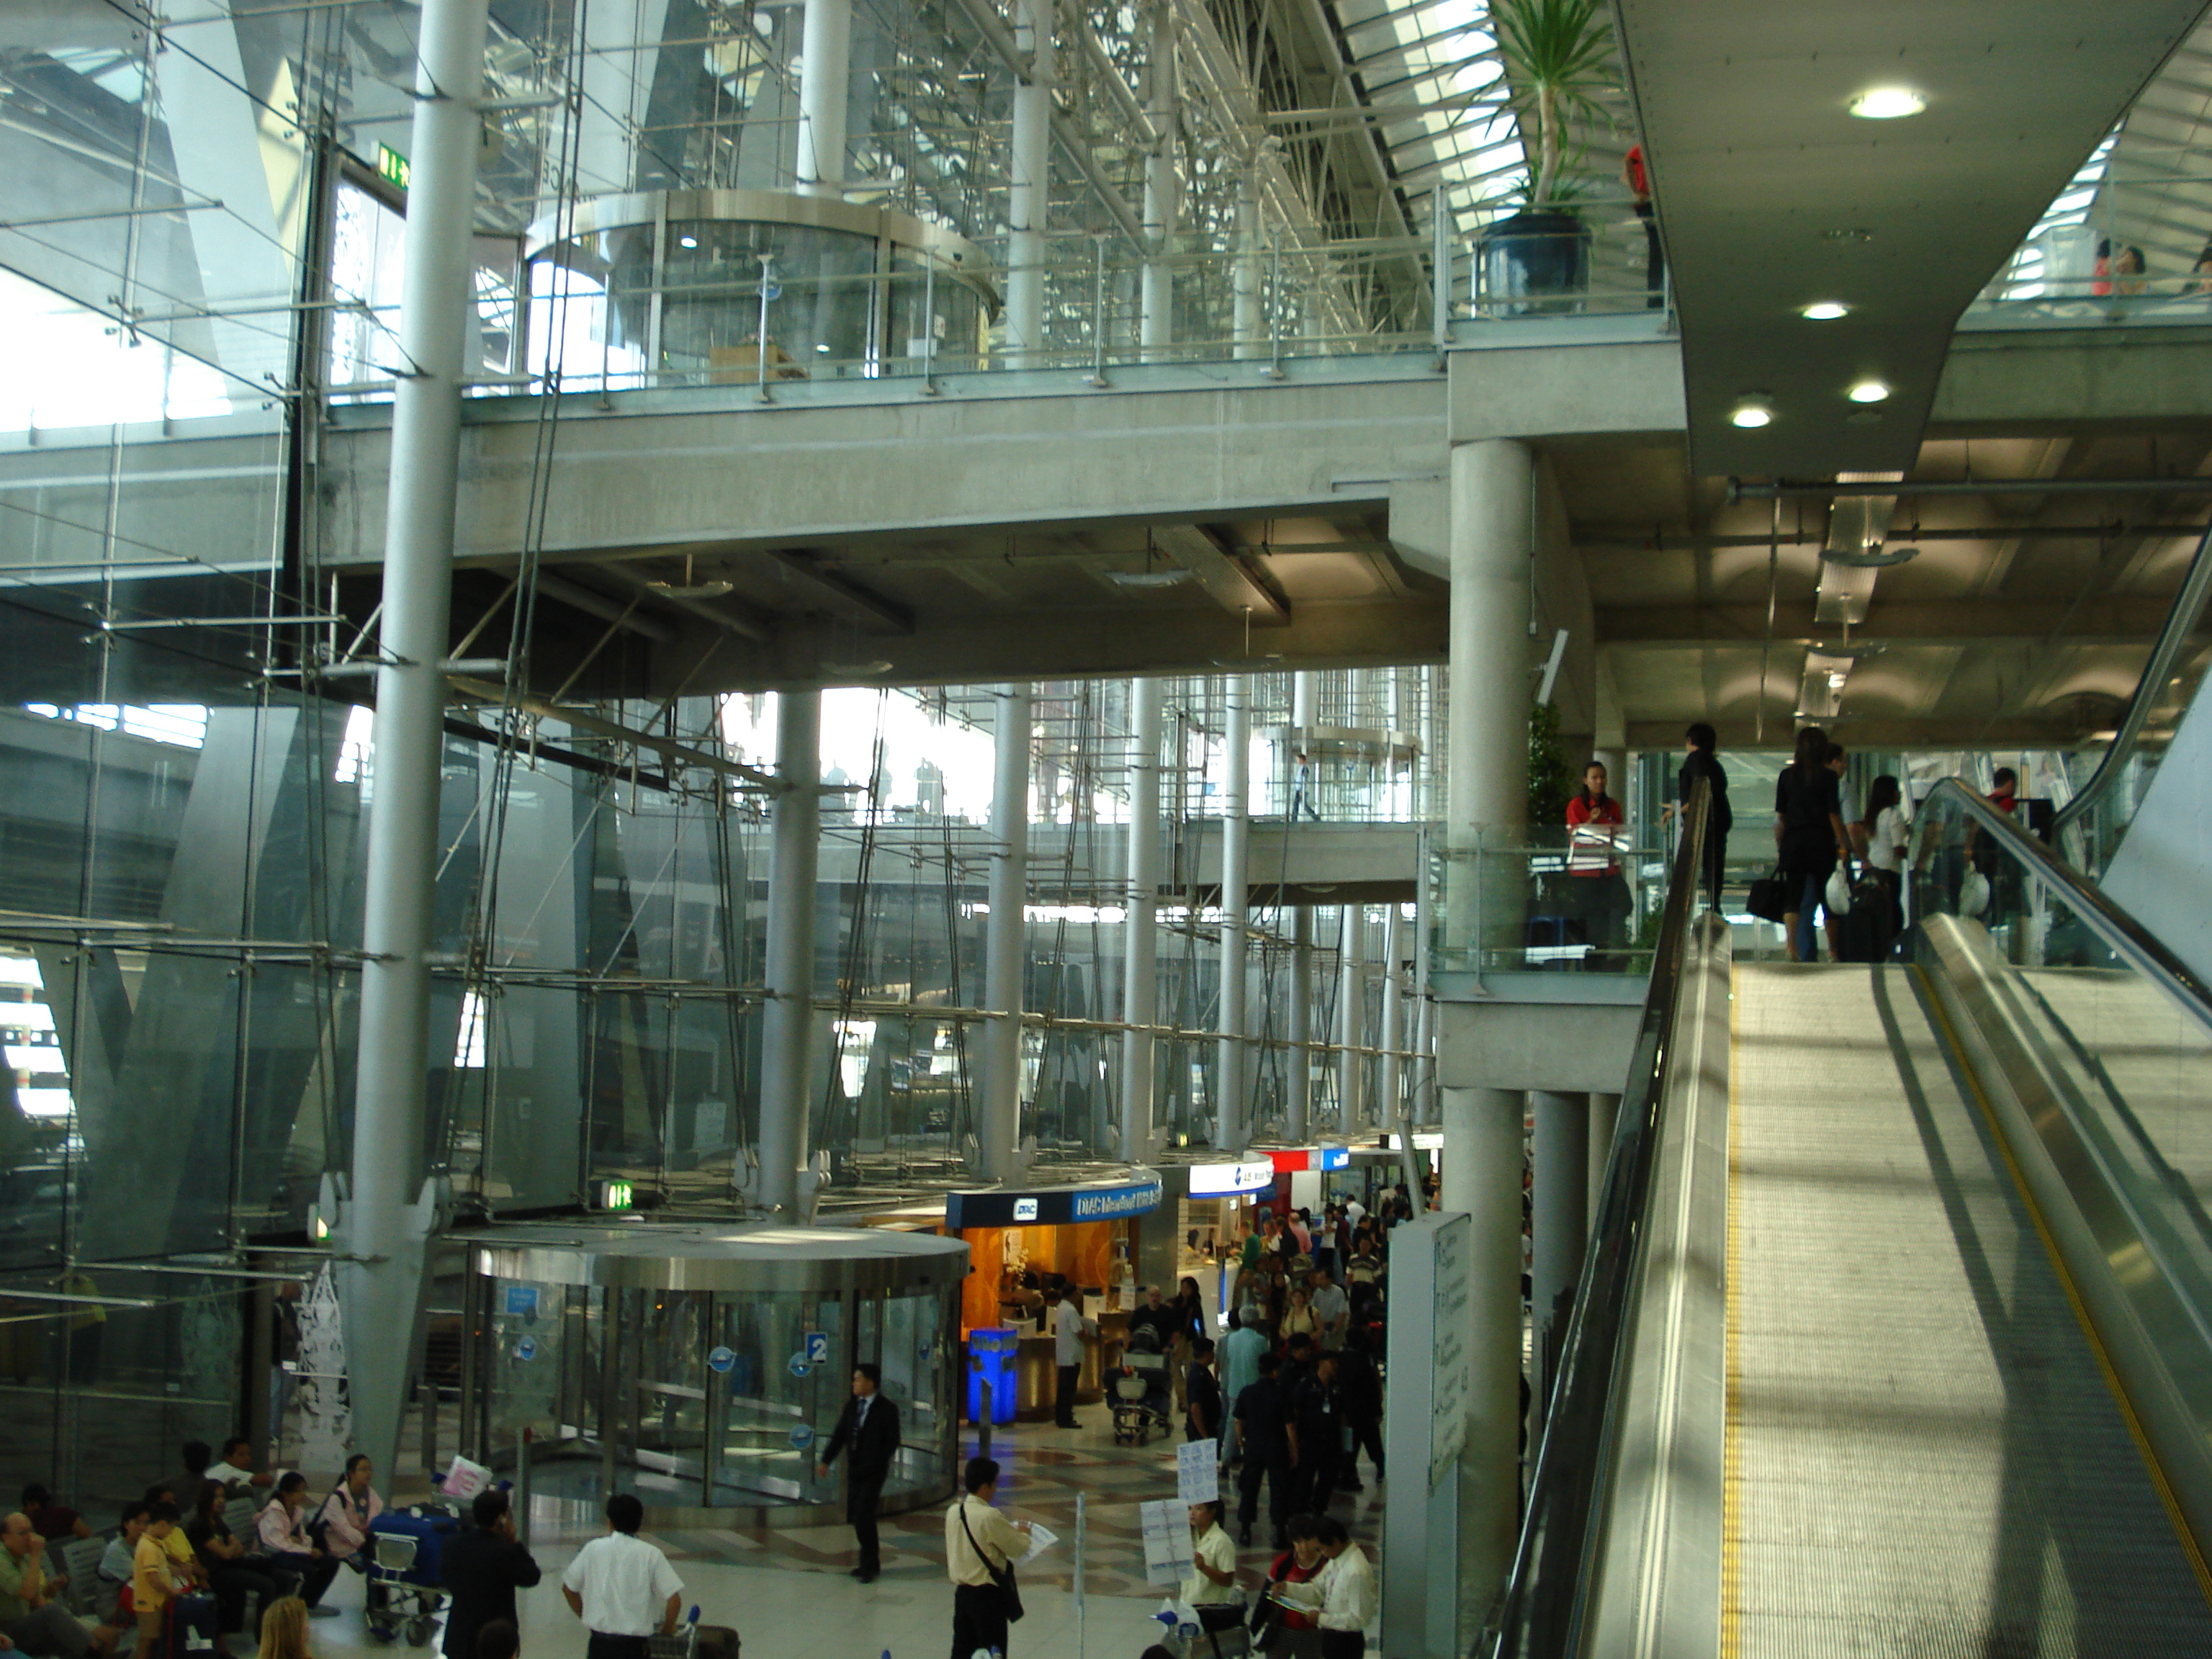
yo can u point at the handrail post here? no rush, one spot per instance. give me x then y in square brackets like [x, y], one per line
[928, 323]
[1275, 308]
[760, 341]
[1440, 276]
[1098, 377]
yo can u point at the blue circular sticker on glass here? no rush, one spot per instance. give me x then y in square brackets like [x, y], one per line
[526, 1349]
[799, 1366]
[721, 1359]
[801, 1437]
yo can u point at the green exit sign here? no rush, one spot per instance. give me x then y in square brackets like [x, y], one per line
[391, 166]
[617, 1195]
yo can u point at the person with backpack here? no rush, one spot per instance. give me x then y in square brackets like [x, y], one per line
[1810, 837]
[347, 1513]
[286, 1541]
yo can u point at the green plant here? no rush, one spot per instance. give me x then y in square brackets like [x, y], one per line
[1557, 55]
[1551, 774]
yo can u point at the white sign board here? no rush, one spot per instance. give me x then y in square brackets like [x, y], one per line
[1198, 1472]
[1452, 1315]
[1167, 1551]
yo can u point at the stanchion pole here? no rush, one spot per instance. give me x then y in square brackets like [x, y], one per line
[1081, 1499]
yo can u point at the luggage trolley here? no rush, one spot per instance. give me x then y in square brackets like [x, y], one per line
[404, 1597]
[1135, 1419]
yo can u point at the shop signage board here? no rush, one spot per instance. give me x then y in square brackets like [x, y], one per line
[1051, 1207]
[1248, 1175]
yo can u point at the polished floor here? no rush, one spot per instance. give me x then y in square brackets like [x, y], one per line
[788, 1591]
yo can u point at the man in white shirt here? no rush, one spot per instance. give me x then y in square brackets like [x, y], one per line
[236, 1471]
[1332, 1308]
[1347, 1593]
[1069, 1328]
[622, 1587]
[980, 1545]
[1354, 1211]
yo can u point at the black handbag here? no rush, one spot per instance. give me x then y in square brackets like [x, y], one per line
[1009, 1594]
[1769, 899]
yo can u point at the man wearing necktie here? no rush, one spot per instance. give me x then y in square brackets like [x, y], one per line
[869, 1428]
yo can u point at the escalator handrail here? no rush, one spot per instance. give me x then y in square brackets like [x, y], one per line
[2119, 930]
[1538, 1612]
[2172, 640]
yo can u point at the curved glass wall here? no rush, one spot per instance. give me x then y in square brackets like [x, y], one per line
[682, 288]
[705, 1368]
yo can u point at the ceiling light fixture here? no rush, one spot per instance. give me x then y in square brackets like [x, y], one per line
[1887, 103]
[1824, 310]
[1170, 578]
[1752, 411]
[690, 589]
[1868, 392]
[687, 242]
[859, 670]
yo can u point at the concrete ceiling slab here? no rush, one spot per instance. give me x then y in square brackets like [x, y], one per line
[1772, 195]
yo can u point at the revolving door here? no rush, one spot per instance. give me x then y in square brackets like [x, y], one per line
[704, 1368]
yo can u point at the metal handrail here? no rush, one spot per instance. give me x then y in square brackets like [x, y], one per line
[1540, 1607]
[2180, 627]
[2119, 930]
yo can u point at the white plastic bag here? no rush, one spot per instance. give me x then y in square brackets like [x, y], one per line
[1838, 893]
[1973, 894]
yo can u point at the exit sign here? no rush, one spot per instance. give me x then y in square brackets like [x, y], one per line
[391, 166]
[617, 1195]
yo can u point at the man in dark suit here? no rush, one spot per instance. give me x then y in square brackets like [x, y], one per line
[869, 1428]
[482, 1568]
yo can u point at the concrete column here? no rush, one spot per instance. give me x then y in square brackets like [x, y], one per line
[1305, 698]
[1140, 967]
[1030, 193]
[998, 1120]
[1561, 1193]
[1486, 781]
[390, 1208]
[824, 91]
[1251, 333]
[1424, 803]
[1604, 1112]
[1482, 1145]
[1163, 186]
[788, 1018]
[1425, 1106]
[1301, 1021]
[1231, 1129]
[1350, 1015]
[1389, 1110]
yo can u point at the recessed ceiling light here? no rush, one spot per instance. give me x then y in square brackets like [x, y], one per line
[1868, 392]
[687, 242]
[1752, 412]
[1824, 310]
[1887, 103]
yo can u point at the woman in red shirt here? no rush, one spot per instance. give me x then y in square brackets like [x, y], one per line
[1285, 1631]
[1599, 896]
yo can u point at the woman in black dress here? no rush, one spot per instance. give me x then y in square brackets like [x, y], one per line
[1700, 760]
[1809, 834]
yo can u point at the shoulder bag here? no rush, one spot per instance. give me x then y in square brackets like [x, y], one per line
[1767, 899]
[1009, 1594]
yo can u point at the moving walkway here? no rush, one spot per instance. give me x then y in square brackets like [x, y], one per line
[1895, 1334]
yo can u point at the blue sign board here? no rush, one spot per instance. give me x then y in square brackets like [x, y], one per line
[801, 1437]
[1047, 1207]
[1332, 1158]
[799, 1365]
[721, 1359]
[522, 1300]
[817, 1347]
[526, 1350]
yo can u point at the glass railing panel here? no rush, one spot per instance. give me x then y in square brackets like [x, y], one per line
[2123, 1035]
[1545, 903]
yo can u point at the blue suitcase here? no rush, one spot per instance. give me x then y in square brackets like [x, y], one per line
[429, 1530]
[188, 1626]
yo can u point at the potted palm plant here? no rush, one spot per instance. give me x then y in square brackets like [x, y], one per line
[1557, 54]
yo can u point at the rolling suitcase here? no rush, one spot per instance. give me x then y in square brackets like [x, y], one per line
[1863, 933]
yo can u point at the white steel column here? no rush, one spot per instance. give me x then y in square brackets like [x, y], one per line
[1140, 964]
[1249, 332]
[1029, 195]
[390, 1208]
[1301, 1022]
[1351, 1017]
[999, 1117]
[1162, 185]
[1389, 1111]
[824, 94]
[786, 1091]
[1487, 786]
[1557, 1201]
[1231, 1129]
[1604, 1112]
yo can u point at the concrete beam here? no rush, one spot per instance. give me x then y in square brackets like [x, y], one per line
[1966, 730]
[1228, 581]
[1561, 1046]
[2126, 621]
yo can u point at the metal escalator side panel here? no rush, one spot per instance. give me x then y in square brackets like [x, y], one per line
[2132, 1296]
[1655, 1561]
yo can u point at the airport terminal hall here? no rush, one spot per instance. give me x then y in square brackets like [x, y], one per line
[1105, 829]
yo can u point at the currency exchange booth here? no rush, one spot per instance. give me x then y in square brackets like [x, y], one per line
[702, 1367]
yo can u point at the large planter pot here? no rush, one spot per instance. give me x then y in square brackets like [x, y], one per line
[1533, 262]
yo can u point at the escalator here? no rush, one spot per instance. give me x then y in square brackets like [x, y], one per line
[1894, 1336]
